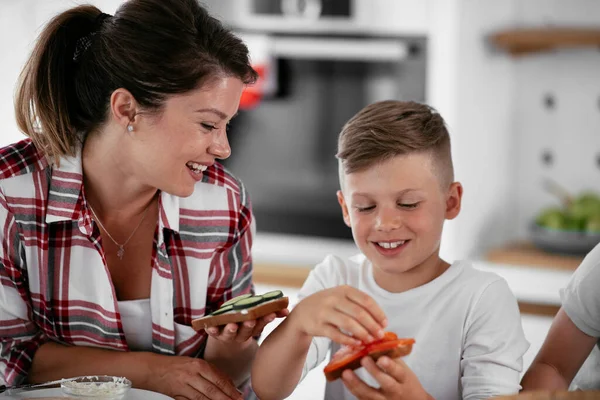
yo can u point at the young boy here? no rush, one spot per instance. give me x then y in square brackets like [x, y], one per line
[397, 188]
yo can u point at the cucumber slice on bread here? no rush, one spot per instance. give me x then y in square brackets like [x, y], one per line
[272, 295]
[236, 299]
[247, 303]
[223, 309]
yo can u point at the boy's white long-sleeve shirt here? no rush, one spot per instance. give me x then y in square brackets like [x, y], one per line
[466, 323]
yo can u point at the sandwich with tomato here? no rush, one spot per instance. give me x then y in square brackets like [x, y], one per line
[348, 357]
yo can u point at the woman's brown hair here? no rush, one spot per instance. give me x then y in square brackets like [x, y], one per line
[152, 48]
[390, 128]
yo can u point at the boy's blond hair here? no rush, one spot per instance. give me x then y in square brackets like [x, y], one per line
[390, 128]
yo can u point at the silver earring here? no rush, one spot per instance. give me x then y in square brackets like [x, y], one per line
[130, 128]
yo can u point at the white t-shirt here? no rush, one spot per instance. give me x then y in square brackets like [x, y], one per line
[466, 323]
[581, 302]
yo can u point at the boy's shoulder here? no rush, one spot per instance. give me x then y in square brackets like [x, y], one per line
[337, 270]
[477, 286]
[470, 277]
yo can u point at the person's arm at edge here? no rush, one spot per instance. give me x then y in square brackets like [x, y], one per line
[563, 353]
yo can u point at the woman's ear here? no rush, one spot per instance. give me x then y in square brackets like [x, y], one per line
[453, 200]
[344, 206]
[123, 107]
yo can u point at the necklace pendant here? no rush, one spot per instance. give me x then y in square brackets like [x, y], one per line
[120, 252]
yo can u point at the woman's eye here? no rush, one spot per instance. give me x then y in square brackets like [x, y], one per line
[208, 126]
[365, 209]
[409, 205]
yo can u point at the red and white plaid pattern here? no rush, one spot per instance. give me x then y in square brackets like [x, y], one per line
[54, 281]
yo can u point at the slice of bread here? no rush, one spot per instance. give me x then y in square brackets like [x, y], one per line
[236, 316]
[400, 351]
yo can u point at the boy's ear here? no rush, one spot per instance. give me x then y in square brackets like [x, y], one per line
[342, 201]
[454, 199]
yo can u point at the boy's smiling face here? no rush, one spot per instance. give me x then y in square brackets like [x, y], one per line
[396, 210]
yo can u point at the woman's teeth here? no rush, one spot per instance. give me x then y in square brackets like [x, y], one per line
[391, 245]
[197, 168]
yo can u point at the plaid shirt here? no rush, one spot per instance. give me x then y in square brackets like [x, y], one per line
[55, 284]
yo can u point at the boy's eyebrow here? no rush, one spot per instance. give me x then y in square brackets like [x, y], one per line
[400, 193]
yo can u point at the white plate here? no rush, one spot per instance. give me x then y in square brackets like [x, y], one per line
[132, 394]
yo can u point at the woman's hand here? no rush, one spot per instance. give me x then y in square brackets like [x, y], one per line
[186, 378]
[343, 313]
[241, 332]
[397, 381]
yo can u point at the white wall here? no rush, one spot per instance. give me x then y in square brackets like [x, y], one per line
[20, 22]
[472, 87]
[570, 130]
[493, 104]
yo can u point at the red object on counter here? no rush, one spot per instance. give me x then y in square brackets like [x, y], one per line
[253, 94]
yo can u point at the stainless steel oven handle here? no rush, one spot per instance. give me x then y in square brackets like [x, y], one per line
[343, 49]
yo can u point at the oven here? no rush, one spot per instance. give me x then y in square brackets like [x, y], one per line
[320, 62]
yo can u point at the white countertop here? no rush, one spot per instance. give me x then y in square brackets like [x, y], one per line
[529, 284]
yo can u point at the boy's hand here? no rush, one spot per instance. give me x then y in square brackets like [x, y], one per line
[397, 381]
[243, 331]
[343, 313]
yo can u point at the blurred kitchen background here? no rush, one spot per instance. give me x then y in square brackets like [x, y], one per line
[518, 83]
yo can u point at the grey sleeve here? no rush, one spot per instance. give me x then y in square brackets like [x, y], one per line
[581, 298]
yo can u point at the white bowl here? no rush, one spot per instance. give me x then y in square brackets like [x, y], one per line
[97, 387]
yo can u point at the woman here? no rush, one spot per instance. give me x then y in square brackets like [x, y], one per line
[118, 227]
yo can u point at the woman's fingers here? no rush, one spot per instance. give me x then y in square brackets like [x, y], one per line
[214, 384]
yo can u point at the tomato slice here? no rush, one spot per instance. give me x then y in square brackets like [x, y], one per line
[345, 356]
[349, 354]
[388, 345]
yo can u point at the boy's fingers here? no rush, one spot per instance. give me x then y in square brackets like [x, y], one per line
[351, 326]
[383, 373]
[358, 388]
[367, 303]
[363, 317]
[333, 333]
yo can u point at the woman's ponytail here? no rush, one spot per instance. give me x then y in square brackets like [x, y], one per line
[45, 95]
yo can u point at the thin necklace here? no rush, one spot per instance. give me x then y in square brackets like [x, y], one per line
[121, 251]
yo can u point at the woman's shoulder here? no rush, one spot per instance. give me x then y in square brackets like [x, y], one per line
[20, 158]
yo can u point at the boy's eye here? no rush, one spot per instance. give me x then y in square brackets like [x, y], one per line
[409, 205]
[365, 209]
